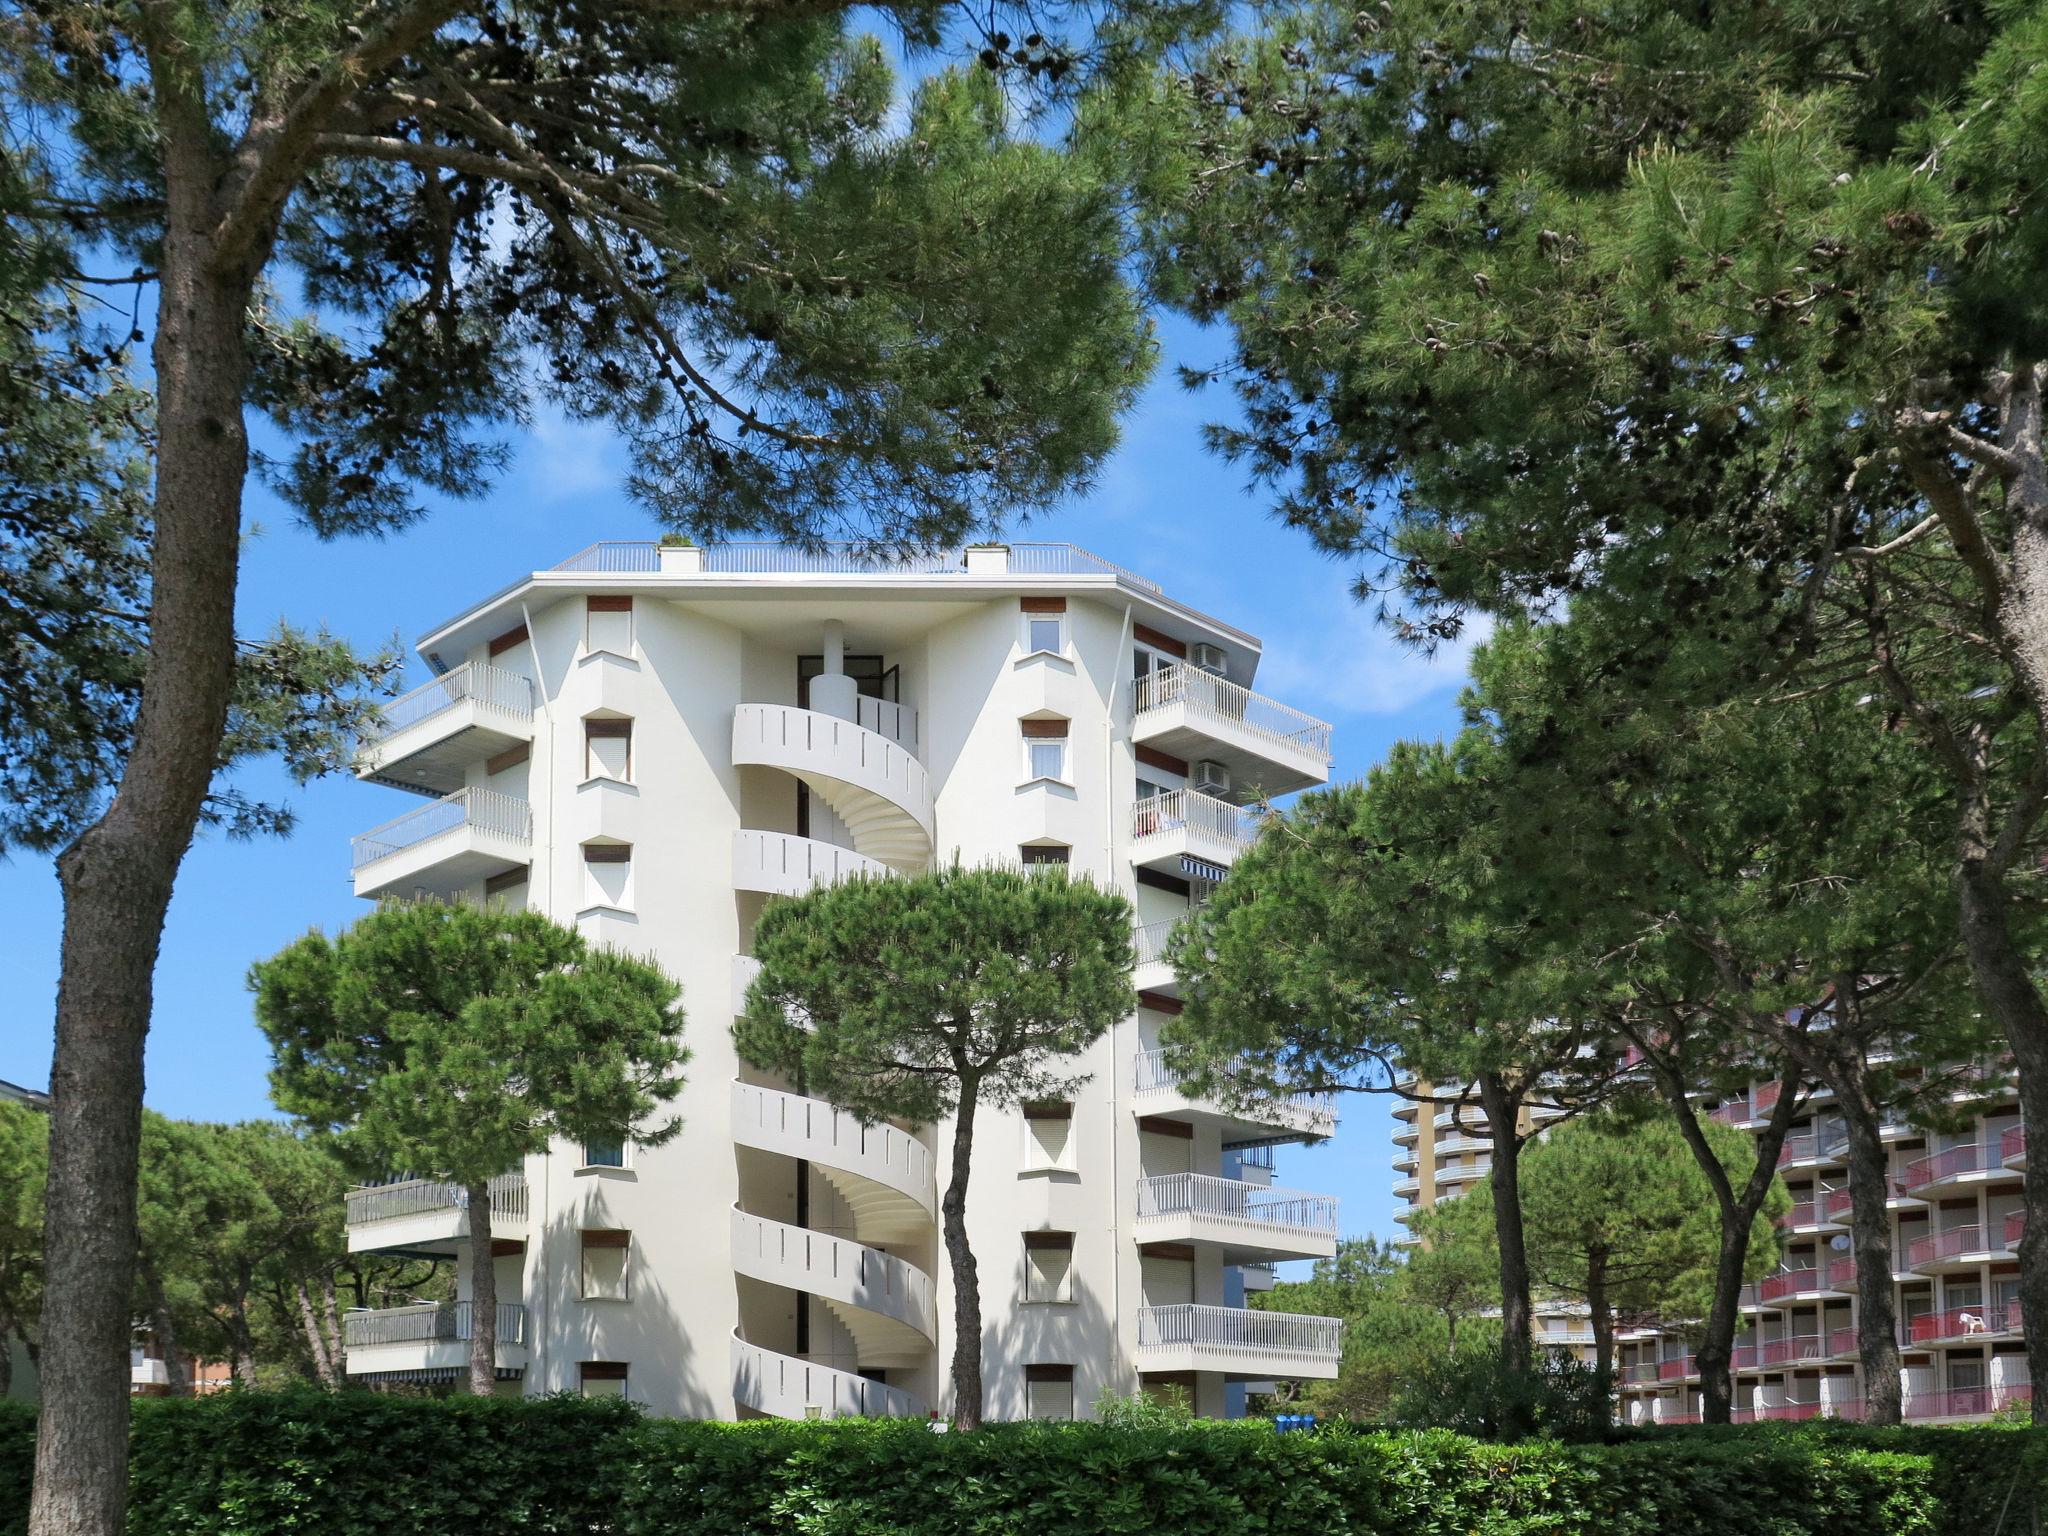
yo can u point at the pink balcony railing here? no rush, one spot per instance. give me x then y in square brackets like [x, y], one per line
[1842, 1341]
[1677, 1369]
[1953, 1243]
[1789, 1282]
[1746, 1356]
[1803, 1148]
[1792, 1411]
[2012, 1146]
[1970, 1157]
[1734, 1112]
[2015, 1224]
[1967, 1402]
[1966, 1323]
[1841, 1205]
[1766, 1097]
[1804, 1213]
[1796, 1346]
[1840, 1274]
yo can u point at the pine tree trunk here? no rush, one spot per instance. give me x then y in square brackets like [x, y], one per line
[483, 1294]
[1603, 1329]
[1877, 1339]
[337, 1342]
[966, 1276]
[6, 1355]
[1503, 1113]
[2004, 977]
[117, 876]
[316, 1346]
[164, 1331]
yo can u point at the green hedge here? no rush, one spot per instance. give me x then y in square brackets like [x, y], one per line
[363, 1465]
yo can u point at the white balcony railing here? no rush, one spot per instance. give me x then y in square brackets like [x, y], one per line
[843, 559]
[1232, 1200]
[1202, 818]
[1279, 1335]
[433, 1322]
[1160, 1071]
[1209, 697]
[498, 687]
[424, 1197]
[613, 557]
[484, 810]
[1151, 941]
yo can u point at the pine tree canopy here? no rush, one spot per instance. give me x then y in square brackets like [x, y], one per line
[452, 1042]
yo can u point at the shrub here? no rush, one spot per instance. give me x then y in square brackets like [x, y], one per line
[356, 1464]
[1471, 1393]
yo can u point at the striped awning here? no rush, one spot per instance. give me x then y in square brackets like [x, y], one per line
[428, 1376]
[1201, 869]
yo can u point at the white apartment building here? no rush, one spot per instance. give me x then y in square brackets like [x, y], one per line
[1956, 1216]
[653, 742]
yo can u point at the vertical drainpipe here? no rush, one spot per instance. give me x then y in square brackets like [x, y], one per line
[536, 1226]
[1119, 681]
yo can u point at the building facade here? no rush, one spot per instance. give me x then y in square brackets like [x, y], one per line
[651, 743]
[1956, 1219]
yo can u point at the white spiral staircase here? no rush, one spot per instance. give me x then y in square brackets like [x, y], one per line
[872, 781]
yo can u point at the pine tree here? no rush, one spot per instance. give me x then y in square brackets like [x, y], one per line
[393, 230]
[454, 1043]
[937, 995]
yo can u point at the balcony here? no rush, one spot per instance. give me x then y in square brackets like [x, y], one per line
[1247, 1222]
[2012, 1147]
[1971, 1163]
[1810, 1215]
[428, 1215]
[885, 1302]
[1187, 833]
[1256, 1346]
[1638, 1372]
[147, 1371]
[1969, 1402]
[1961, 1324]
[1677, 1368]
[427, 739]
[1154, 973]
[786, 1387]
[783, 864]
[1841, 1203]
[1794, 1348]
[1810, 1282]
[428, 1342]
[1956, 1249]
[882, 1172]
[1159, 1089]
[1807, 1150]
[1264, 745]
[2015, 1227]
[445, 846]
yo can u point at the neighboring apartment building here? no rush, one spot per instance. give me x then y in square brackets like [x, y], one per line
[651, 743]
[1956, 1214]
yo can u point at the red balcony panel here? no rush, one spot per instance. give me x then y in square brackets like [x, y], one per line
[2013, 1144]
[1775, 1287]
[1970, 1157]
[1966, 1323]
[1793, 1411]
[1746, 1357]
[1946, 1245]
[1841, 1205]
[2015, 1224]
[1841, 1273]
[1804, 1213]
[1798, 1149]
[1734, 1112]
[1675, 1370]
[1766, 1097]
[1797, 1346]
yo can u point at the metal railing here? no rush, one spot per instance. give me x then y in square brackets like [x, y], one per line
[487, 810]
[842, 559]
[1970, 1157]
[1199, 815]
[2013, 1144]
[433, 1322]
[424, 1197]
[1151, 941]
[1953, 1243]
[1070, 560]
[1969, 1402]
[479, 680]
[614, 557]
[1965, 1323]
[1281, 1335]
[1209, 697]
[1789, 1282]
[1158, 1071]
[1257, 1205]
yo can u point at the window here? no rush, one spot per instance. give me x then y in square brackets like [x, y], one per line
[1049, 1391]
[604, 1154]
[1045, 853]
[604, 1264]
[608, 624]
[506, 892]
[608, 750]
[603, 1378]
[1045, 749]
[1045, 625]
[608, 875]
[1048, 1266]
[1048, 1137]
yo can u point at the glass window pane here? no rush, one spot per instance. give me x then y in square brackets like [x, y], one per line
[1044, 633]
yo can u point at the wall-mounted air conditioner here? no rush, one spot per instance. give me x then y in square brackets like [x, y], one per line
[1210, 658]
[1209, 778]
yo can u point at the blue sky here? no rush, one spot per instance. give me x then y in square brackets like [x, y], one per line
[1163, 507]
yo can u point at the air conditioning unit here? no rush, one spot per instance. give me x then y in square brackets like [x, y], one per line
[1210, 658]
[1209, 778]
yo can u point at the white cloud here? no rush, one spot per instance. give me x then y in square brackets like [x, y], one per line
[562, 459]
[1353, 665]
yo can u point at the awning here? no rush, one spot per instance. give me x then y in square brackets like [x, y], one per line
[1201, 869]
